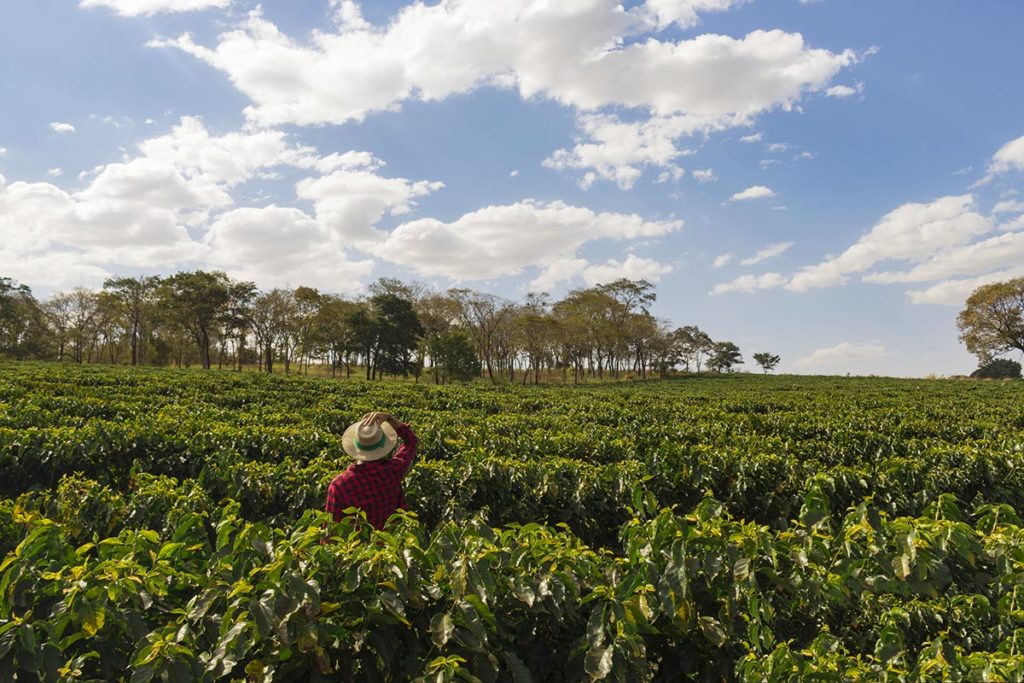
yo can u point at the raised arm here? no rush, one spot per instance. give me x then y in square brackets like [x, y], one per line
[405, 456]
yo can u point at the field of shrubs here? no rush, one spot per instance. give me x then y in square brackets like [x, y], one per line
[168, 525]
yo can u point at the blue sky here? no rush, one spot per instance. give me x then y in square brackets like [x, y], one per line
[826, 180]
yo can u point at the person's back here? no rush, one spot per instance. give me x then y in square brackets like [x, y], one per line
[373, 483]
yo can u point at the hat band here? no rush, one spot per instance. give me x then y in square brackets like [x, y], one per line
[372, 447]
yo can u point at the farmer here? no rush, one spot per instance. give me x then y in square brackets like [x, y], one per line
[373, 483]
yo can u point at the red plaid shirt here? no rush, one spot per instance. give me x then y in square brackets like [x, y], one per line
[374, 487]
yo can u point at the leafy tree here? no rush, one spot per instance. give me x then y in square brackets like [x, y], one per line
[724, 356]
[992, 322]
[396, 334]
[998, 368]
[22, 325]
[694, 345]
[135, 297]
[767, 361]
[197, 300]
[270, 312]
[453, 357]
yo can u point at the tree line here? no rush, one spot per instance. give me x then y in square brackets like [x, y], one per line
[208, 319]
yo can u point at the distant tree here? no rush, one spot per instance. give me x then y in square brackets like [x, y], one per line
[998, 368]
[397, 331]
[236, 318]
[270, 311]
[724, 356]
[135, 297]
[992, 322]
[22, 326]
[767, 361]
[453, 357]
[197, 300]
[694, 345]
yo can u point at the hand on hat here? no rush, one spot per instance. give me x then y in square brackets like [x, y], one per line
[379, 418]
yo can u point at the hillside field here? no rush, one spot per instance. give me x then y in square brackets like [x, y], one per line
[167, 525]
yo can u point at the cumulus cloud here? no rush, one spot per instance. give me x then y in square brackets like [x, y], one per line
[62, 128]
[844, 354]
[593, 56]
[752, 193]
[54, 172]
[1009, 157]
[685, 13]
[632, 267]
[771, 251]
[498, 241]
[753, 137]
[132, 8]
[954, 292]
[913, 232]
[570, 53]
[3, 151]
[138, 212]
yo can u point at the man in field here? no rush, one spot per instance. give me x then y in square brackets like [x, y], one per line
[373, 483]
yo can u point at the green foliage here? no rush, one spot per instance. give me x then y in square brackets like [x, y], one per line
[998, 368]
[159, 525]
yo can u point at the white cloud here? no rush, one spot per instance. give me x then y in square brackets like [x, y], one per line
[498, 241]
[592, 55]
[751, 193]
[58, 127]
[805, 155]
[617, 151]
[722, 260]
[954, 292]
[1009, 206]
[351, 201]
[1015, 224]
[572, 53]
[1009, 157]
[997, 252]
[771, 251]
[3, 151]
[704, 175]
[279, 246]
[844, 91]
[685, 13]
[913, 232]
[777, 147]
[750, 283]
[753, 137]
[844, 354]
[633, 268]
[54, 172]
[514, 174]
[132, 8]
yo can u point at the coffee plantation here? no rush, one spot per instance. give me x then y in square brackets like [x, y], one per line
[166, 525]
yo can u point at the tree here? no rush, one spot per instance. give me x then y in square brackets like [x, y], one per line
[396, 333]
[135, 298]
[269, 320]
[694, 344]
[22, 326]
[453, 357]
[724, 356]
[767, 361]
[998, 368]
[197, 300]
[992, 322]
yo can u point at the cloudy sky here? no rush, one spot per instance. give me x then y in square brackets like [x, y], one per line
[824, 179]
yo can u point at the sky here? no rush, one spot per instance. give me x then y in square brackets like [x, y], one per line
[823, 179]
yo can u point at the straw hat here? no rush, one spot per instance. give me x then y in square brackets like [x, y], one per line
[365, 443]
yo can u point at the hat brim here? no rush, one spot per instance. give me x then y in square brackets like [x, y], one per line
[348, 444]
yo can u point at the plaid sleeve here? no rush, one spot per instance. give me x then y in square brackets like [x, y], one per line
[335, 503]
[405, 456]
